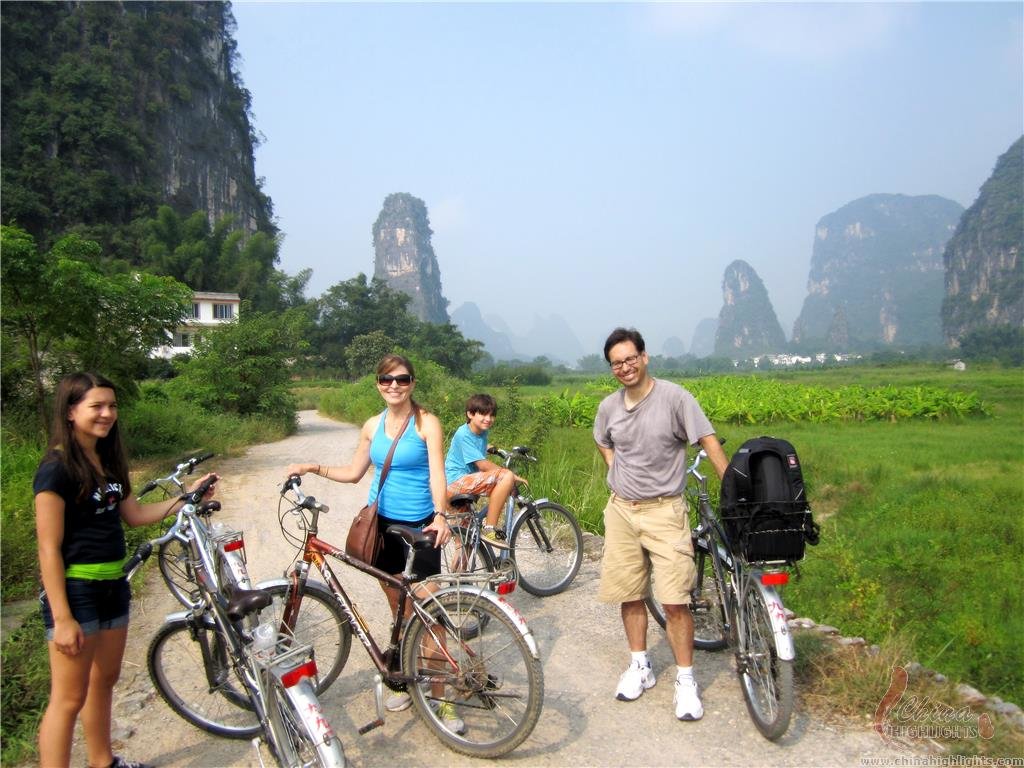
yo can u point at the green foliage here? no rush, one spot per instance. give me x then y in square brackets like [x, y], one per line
[1003, 343]
[219, 258]
[520, 373]
[364, 352]
[26, 689]
[443, 395]
[241, 367]
[18, 558]
[373, 312]
[96, 101]
[61, 313]
[762, 400]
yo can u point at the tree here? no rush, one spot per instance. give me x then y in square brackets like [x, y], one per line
[218, 258]
[446, 346]
[243, 367]
[62, 313]
[357, 307]
[364, 352]
[592, 363]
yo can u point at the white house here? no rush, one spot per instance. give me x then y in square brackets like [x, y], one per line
[209, 310]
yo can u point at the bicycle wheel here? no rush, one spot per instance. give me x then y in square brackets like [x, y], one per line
[491, 682]
[767, 680]
[302, 735]
[707, 606]
[321, 624]
[206, 695]
[175, 563]
[547, 546]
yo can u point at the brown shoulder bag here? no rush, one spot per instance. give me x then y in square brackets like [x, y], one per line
[364, 540]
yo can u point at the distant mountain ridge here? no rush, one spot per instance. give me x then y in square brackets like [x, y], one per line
[549, 336]
[983, 260]
[879, 259]
[747, 324]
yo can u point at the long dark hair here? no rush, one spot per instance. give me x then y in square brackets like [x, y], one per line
[64, 447]
[391, 361]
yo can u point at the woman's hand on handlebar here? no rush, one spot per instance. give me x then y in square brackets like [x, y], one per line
[213, 485]
[293, 470]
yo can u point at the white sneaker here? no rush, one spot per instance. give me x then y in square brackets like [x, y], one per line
[449, 719]
[687, 699]
[634, 681]
[398, 702]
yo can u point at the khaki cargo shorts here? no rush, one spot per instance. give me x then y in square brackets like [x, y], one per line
[642, 538]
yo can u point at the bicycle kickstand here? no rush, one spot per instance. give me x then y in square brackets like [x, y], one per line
[378, 695]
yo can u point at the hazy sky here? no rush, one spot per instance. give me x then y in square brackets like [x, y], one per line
[606, 162]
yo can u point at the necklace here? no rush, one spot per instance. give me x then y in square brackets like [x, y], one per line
[393, 422]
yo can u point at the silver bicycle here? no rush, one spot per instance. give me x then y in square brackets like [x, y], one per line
[735, 602]
[225, 668]
[174, 557]
[544, 538]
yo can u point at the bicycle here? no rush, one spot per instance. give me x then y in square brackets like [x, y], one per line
[230, 676]
[735, 602]
[545, 540]
[490, 679]
[174, 558]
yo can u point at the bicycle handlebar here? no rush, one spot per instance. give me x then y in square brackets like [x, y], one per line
[517, 452]
[185, 467]
[192, 505]
[302, 500]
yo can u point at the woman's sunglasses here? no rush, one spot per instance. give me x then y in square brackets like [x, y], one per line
[402, 380]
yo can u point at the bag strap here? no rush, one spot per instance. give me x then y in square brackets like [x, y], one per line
[387, 461]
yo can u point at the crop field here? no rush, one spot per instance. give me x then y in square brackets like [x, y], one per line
[916, 475]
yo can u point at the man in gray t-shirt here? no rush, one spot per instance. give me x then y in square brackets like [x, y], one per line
[642, 431]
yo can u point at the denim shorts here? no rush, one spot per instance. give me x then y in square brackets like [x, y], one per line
[95, 604]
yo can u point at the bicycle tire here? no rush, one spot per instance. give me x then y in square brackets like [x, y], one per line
[179, 673]
[301, 741]
[767, 680]
[175, 563]
[708, 608]
[321, 624]
[547, 545]
[495, 684]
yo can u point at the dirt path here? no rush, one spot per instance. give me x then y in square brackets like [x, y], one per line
[580, 639]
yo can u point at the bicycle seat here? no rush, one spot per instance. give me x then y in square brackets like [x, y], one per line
[246, 601]
[208, 507]
[463, 499]
[412, 537]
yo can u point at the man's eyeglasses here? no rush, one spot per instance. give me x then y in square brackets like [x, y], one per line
[631, 361]
[402, 380]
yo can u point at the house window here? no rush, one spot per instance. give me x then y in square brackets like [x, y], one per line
[183, 339]
[223, 311]
[194, 314]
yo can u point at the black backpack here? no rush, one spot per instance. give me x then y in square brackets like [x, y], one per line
[763, 506]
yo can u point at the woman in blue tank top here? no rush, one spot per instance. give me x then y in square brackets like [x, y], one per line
[414, 492]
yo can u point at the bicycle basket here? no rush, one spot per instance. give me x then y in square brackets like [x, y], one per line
[768, 531]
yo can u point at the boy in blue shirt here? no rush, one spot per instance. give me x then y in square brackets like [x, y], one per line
[468, 470]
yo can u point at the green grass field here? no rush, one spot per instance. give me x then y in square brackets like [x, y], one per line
[922, 525]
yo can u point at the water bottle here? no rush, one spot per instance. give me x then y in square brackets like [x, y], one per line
[264, 638]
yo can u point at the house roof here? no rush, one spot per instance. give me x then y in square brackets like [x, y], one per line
[216, 296]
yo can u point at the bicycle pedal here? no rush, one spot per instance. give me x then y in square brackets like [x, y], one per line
[370, 726]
